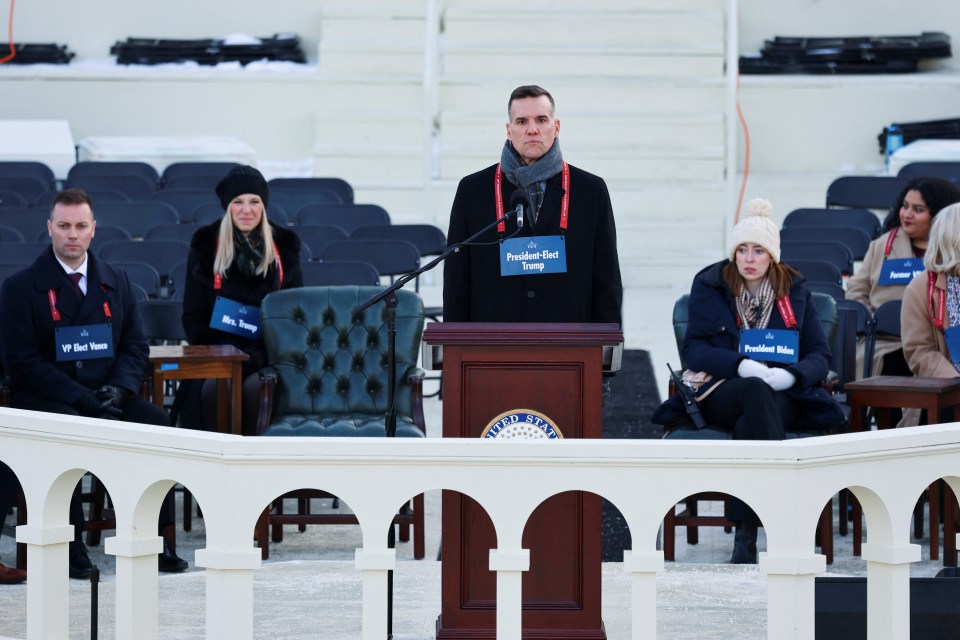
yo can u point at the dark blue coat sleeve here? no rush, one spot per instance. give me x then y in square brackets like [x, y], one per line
[711, 340]
[814, 361]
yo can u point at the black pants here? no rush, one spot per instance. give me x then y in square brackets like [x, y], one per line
[752, 411]
[250, 402]
[135, 409]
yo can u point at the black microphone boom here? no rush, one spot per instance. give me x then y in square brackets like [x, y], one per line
[518, 201]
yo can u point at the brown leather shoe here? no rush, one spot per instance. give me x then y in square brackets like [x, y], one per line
[9, 575]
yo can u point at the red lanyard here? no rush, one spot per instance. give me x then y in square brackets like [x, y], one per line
[890, 239]
[55, 314]
[218, 280]
[564, 203]
[785, 307]
[938, 317]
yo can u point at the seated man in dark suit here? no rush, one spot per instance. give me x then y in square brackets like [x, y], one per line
[52, 367]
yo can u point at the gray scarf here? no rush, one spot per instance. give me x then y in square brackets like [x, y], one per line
[530, 176]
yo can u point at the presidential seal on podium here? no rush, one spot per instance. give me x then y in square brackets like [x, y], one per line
[522, 424]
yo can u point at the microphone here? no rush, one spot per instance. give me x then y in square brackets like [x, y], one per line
[520, 198]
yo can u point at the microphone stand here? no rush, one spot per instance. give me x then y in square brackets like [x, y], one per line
[389, 297]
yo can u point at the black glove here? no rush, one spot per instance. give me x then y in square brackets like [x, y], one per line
[110, 395]
[110, 398]
[88, 405]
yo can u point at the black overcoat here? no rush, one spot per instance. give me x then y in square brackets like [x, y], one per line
[199, 295]
[29, 343]
[589, 291]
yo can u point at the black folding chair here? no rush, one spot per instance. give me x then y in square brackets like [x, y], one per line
[136, 217]
[176, 280]
[863, 325]
[293, 200]
[114, 168]
[9, 234]
[865, 192]
[28, 187]
[317, 238]
[835, 253]
[818, 271]
[181, 232]
[28, 221]
[161, 320]
[141, 274]
[133, 186]
[866, 221]
[177, 170]
[10, 199]
[97, 196]
[854, 239]
[389, 257]
[162, 255]
[339, 273]
[186, 201]
[886, 323]
[948, 170]
[348, 217]
[835, 291]
[428, 239]
[38, 170]
[338, 185]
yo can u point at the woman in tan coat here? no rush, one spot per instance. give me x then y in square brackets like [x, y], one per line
[907, 229]
[930, 318]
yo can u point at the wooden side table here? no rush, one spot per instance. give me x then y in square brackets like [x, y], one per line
[932, 394]
[221, 362]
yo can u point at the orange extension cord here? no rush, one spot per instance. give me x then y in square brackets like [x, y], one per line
[13, 49]
[746, 152]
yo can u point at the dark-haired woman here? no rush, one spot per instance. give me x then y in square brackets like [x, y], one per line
[754, 330]
[896, 253]
[233, 264]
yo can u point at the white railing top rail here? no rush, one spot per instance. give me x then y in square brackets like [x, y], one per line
[787, 483]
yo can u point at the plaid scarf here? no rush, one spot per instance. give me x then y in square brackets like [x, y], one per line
[248, 251]
[754, 311]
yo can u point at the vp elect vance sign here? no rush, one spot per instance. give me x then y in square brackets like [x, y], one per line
[84, 342]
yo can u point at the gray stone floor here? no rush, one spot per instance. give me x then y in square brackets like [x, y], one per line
[310, 589]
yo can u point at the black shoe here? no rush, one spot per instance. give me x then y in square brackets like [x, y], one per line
[745, 545]
[170, 562]
[80, 565]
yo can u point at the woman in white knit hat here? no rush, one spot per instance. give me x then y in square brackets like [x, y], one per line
[754, 327]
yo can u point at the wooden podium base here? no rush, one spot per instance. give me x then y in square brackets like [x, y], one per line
[554, 370]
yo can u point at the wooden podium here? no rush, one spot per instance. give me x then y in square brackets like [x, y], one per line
[553, 369]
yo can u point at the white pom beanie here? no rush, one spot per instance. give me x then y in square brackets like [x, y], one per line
[756, 227]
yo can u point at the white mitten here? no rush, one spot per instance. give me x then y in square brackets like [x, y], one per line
[780, 379]
[752, 369]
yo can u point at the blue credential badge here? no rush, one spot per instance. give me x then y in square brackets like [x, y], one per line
[233, 317]
[770, 345]
[900, 270]
[522, 424]
[533, 256]
[952, 338]
[84, 342]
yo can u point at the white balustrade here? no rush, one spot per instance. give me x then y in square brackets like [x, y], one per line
[787, 484]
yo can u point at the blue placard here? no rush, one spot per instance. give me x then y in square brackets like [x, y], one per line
[233, 317]
[900, 270]
[84, 342]
[770, 345]
[952, 338]
[533, 256]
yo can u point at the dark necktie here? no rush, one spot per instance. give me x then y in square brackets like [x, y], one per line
[75, 279]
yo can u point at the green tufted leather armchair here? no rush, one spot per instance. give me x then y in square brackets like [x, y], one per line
[326, 376]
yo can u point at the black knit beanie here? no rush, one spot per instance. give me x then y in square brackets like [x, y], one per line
[240, 180]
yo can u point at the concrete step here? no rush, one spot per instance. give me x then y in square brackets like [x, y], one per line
[361, 127]
[469, 60]
[696, 31]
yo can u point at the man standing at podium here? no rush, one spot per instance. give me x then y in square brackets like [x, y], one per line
[558, 263]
